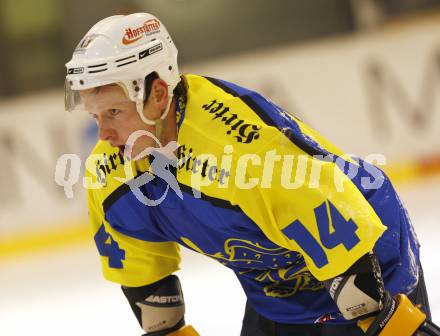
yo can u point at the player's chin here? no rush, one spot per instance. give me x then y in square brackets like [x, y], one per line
[114, 143]
[131, 152]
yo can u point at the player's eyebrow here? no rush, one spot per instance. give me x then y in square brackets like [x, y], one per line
[121, 103]
[111, 105]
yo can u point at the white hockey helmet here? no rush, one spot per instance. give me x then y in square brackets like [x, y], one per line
[122, 49]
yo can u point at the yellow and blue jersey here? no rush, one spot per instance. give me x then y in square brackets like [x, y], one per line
[239, 160]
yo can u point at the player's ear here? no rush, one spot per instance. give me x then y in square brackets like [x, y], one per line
[159, 93]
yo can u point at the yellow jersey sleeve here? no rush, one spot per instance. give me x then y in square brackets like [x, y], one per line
[126, 260]
[302, 202]
[307, 204]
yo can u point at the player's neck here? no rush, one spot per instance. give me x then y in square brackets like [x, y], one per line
[169, 131]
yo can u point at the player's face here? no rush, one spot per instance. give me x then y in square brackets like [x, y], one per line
[116, 117]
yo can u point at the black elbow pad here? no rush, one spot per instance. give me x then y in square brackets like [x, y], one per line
[159, 307]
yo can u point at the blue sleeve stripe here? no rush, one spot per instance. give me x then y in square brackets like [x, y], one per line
[261, 107]
[223, 85]
[292, 132]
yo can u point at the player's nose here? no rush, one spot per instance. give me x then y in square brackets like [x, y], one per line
[105, 133]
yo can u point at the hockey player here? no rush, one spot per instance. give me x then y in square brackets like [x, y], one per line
[207, 164]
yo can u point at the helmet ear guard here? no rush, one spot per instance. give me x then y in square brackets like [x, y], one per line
[137, 91]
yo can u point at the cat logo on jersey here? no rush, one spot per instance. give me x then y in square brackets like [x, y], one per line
[286, 275]
[300, 281]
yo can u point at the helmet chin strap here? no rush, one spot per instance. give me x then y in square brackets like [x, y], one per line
[158, 122]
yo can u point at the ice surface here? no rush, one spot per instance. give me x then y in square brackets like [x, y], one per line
[63, 292]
